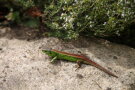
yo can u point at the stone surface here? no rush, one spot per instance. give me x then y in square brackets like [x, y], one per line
[24, 67]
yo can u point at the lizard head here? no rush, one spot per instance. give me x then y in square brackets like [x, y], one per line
[48, 52]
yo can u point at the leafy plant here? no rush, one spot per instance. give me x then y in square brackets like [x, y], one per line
[73, 18]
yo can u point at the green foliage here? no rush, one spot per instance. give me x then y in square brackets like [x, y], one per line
[102, 18]
[71, 18]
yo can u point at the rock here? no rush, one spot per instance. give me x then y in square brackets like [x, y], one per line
[24, 67]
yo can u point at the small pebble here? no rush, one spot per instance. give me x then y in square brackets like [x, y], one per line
[79, 76]
[114, 57]
[6, 66]
[108, 88]
[4, 80]
[0, 48]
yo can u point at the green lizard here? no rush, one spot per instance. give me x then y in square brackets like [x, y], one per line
[55, 54]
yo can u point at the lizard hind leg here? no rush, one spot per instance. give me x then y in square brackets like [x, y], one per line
[79, 63]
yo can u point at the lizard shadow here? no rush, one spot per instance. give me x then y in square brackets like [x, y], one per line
[60, 61]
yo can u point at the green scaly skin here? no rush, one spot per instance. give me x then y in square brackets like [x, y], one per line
[55, 54]
[60, 56]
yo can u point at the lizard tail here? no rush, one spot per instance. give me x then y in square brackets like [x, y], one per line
[105, 70]
[100, 67]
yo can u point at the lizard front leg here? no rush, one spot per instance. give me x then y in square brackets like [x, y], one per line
[54, 59]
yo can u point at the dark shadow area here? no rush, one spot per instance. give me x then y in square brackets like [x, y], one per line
[126, 38]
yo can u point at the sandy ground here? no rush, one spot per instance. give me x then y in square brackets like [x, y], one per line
[24, 67]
